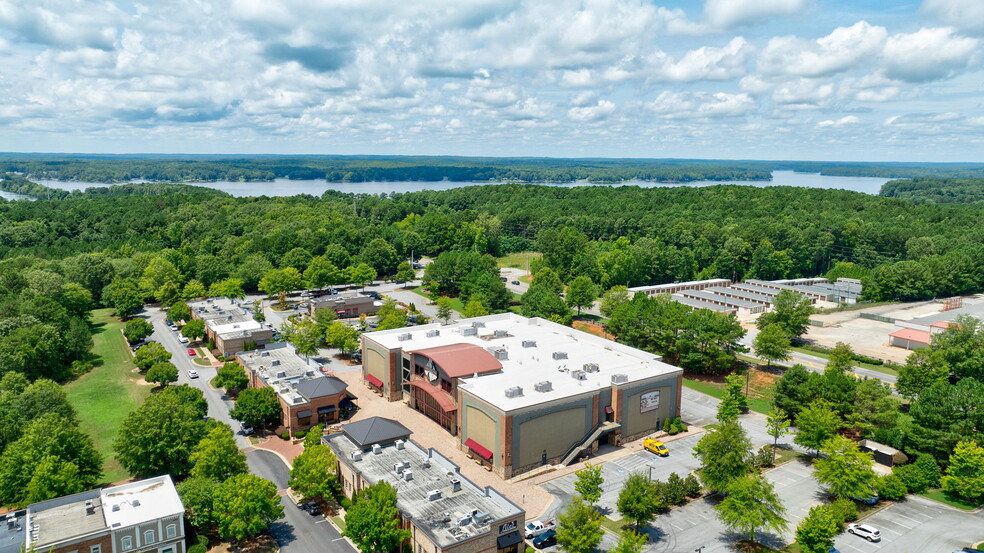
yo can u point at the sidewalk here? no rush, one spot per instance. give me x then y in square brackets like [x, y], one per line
[285, 449]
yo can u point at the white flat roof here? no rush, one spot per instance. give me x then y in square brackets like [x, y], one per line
[722, 281]
[526, 366]
[140, 502]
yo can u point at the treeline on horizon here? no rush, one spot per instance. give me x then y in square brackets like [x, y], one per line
[615, 236]
[114, 169]
[936, 190]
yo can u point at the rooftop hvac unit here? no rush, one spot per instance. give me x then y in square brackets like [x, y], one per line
[135, 503]
[464, 520]
[469, 331]
[529, 343]
[404, 337]
[298, 399]
[433, 333]
[264, 354]
[620, 378]
[281, 374]
[478, 324]
[356, 455]
[377, 449]
[500, 333]
[399, 444]
[455, 485]
[275, 363]
[560, 355]
[433, 495]
[407, 475]
[309, 373]
[515, 391]
[499, 353]
[116, 507]
[579, 375]
[544, 386]
[284, 389]
[398, 467]
[426, 463]
[591, 367]
[229, 318]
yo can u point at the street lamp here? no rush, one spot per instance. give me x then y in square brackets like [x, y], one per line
[700, 549]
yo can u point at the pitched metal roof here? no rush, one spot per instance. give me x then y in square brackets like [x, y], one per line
[375, 430]
[321, 387]
[462, 359]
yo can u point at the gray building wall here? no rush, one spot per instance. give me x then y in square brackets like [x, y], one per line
[634, 422]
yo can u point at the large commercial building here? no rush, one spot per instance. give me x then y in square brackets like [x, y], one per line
[918, 332]
[444, 511]
[139, 517]
[521, 393]
[345, 304]
[230, 325]
[307, 395]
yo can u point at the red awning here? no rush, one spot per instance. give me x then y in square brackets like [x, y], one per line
[477, 448]
[440, 396]
[374, 381]
[609, 410]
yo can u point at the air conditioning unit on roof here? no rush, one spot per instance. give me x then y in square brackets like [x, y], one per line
[560, 355]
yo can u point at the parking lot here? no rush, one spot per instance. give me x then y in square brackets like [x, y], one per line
[917, 525]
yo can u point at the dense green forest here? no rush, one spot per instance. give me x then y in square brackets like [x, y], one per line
[936, 190]
[101, 168]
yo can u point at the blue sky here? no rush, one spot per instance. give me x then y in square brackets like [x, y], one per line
[753, 79]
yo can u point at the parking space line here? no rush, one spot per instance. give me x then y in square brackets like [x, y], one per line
[912, 520]
[889, 521]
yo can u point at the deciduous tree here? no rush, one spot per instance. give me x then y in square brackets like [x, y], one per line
[162, 374]
[372, 522]
[444, 310]
[217, 455]
[245, 505]
[303, 334]
[197, 496]
[790, 311]
[636, 501]
[816, 532]
[137, 329]
[231, 376]
[844, 469]
[772, 344]
[725, 455]
[751, 505]
[256, 407]
[581, 293]
[776, 425]
[733, 403]
[816, 424]
[965, 472]
[159, 436]
[579, 527]
[313, 473]
[588, 484]
[474, 308]
[149, 355]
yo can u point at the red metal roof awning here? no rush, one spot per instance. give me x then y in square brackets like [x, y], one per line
[477, 448]
[609, 410]
[440, 396]
[374, 381]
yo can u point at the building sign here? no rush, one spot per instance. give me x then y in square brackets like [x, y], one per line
[507, 527]
[649, 401]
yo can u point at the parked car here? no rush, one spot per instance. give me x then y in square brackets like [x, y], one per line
[192, 373]
[183, 339]
[168, 322]
[545, 539]
[503, 279]
[247, 429]
[536, 528]
[173, 327]
[869, 533]
[866, 500]
[312, 508]
[515, 283]
[657, 447]
[137, 345]
[192, 352]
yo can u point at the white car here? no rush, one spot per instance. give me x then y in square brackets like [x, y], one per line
[869, 533]
[192, 373]
[183, 339]
[173, 327]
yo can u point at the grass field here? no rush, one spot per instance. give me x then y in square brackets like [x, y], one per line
[105, 396]
[455, 302]
[518, 260]
[761, 389]
[879, 368]
[951, 500]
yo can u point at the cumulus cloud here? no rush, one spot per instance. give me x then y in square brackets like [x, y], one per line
[592, 114]
[967, 15]
[846, 120]
[679, 105]
[725, 14]
[841, 50]
[927, 54]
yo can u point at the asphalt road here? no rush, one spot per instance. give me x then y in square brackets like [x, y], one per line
[917, 525]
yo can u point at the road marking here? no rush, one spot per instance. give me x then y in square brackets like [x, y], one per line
[914, 521]
[322, 520]
[338, 539]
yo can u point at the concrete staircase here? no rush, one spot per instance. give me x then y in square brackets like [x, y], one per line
[602, 428]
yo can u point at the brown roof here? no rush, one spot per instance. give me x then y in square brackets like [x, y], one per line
[458, 360]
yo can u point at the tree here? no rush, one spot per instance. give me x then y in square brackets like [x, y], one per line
[304, 335]
[320, 273]
[124, 296]
[630, 541]
[137, 329]
[710, 341]
[391, 316]
[734, 402]
[231, 376]
[314, 435]
[193, 289]
[547, 277]
[846, 470]
[776, 425]
[636, 500]
[816, 532]
[168, 293]
[444, 310]
[612, 299]
[874, 407]
[725, 455]
[178, 312]
[193, 330]
[256, 407]
[542, 301]
[372, 523]
[945, 414]
[218, 456]
[579, 527]
[361, 274]
[41, 397]
[339, 333]
[588, 484]
[159, 436]
[920, 475]
[405, 273]
[75, 299]
[313, 473]
[890, 487]
[197, 496]
[790, 312]
[380, 255]
[297, 258]
[162, 374]
[790, 393]
[474, 308]
[752, 504]
[816, 424]
[581, 293]
[280, 280]
[772, 344]
[965, 472]
[149, 355]
[50, 457]
[157, 273]
[228, 288]
[245, 505]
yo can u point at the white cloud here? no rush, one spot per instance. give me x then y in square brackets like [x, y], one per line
[839, 51]
[846, 120]
[967, 15]
[710, 64]
[678, 105]
[725, 14]
[592, 114]
[803, 93]
[927, 54]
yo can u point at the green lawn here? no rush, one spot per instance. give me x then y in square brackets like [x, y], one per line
[518, 260]
[105, 396]
[951, 500]
[879, 368]
[455, 302]
[760, 397]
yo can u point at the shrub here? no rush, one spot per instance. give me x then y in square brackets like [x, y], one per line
[197, 548]
[666, 424]
[211, 344]
[676, 490]
[345, 502]
[674, 426]
[891, 487]
[300, 434]
[285, 435]
[920, 476]
[847, 510]
[763, 458]
[692, 486]
[79, 368]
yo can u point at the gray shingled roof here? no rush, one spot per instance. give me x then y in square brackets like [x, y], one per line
[320, 387]
[375, 430]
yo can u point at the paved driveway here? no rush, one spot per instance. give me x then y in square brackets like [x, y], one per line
[917, 525]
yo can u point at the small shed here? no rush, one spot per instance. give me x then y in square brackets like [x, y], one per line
[884, 455]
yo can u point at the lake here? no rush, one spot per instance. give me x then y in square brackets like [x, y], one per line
[286, 187]
[12, 196]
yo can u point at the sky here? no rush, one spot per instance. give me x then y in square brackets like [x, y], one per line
[866, 80]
